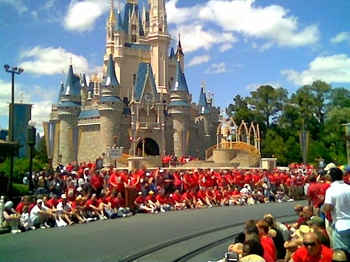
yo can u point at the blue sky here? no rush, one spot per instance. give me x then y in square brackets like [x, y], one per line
[234, 46]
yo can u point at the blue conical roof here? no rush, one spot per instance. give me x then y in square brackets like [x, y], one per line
[202, 103]
[72, 86]
[111, 79]
[180, 83]
[119, 25]
[172, 53]
[83, 82]
[60, 93]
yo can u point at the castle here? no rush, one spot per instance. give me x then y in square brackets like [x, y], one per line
[140, 102]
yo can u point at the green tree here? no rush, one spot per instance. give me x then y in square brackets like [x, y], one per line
[268, 101]
[273, 145]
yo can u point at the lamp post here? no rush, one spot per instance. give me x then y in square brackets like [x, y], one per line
[31, 143]
[13, 71]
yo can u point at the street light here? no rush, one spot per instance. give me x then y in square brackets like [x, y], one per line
[13, 71]
[31, 143]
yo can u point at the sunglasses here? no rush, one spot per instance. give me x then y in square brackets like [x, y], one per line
[309, 244]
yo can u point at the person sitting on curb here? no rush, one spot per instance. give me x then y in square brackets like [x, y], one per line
[11, 218]
[40, 215]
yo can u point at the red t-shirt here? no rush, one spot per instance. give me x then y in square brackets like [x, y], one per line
[269, 249]
[140, 200]
[19, 208]
[301, 255]
[96, 182]
[314, 193]
[91, 202]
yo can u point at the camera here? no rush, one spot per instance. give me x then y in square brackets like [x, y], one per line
[231, 256]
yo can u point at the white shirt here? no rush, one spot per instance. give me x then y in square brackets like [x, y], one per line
[338, 195]
[67, 207]
[34, 213]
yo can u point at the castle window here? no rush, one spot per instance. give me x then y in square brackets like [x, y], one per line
[134, 79]
[133, 27]
[133, 38]
[160, 29]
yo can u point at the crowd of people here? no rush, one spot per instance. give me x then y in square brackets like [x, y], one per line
[321, 233]
[77, 194]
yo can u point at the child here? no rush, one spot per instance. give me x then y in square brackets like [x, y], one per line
[25, 219]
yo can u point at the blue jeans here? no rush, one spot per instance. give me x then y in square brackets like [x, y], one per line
[341, 239]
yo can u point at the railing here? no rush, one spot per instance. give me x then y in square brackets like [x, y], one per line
[232, 145]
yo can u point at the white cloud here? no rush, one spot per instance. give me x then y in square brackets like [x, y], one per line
[217, 68]
[198, 60]
[49, 61]
[82, 16]
[335, 69]
[225, 47]
[194, 37]
[18, 5]
[341, 37]
[271, 23]
[40, 113]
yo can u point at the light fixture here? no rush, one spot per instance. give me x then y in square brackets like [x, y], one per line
[7, 67]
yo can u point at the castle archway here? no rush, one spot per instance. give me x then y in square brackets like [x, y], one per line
[150, 146]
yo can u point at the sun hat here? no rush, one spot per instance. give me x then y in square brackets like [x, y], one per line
[9, 204]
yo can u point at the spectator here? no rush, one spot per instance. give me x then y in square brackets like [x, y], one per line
[252, 251]
[11, 218]
[319, 227]
[40, 215]
[25, 219]
[312, 250]
[276, 236]
[270, 253]
[337, 202]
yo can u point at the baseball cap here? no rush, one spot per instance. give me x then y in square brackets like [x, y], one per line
[39, 201]
[316, 220]
[63, 196]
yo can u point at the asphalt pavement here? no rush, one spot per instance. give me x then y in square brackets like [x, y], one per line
[112, 240]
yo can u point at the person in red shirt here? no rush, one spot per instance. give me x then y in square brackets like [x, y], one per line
[141, 206]
[177, 201]
[312, 250]
[162, 202]
[24, 202]
[270, 253]
[93, 208]
[96, 183]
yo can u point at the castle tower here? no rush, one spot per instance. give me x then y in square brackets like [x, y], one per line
[159, 40]
[110, 107]
[68, 111]
[179, 107]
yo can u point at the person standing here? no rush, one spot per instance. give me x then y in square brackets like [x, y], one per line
[337, 201]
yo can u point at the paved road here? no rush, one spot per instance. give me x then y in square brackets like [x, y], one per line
[112, 240]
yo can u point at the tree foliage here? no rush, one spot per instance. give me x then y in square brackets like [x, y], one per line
[316, 108]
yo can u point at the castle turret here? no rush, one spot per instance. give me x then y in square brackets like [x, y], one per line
[179, 108]
[110, 108]
[68, 111]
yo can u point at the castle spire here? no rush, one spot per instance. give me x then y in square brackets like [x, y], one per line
[180, 83]
[111, 78]
[202, 103]
[179, 51]
[111, 18]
